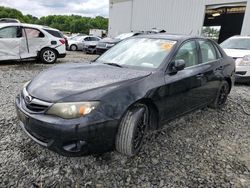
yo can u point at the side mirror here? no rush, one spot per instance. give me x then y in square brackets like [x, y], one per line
[178, 65]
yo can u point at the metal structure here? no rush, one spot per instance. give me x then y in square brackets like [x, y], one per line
[175, 16]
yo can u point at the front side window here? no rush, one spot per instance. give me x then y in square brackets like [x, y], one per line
[189, 53]
[139, 52]
[208, 52]
[32, 33]
[8, 32]
[87, 39]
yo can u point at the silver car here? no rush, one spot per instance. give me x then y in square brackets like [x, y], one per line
[238, 47]
[78, 43]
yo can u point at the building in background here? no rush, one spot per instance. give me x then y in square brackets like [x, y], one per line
[224, 18]
[97, 32]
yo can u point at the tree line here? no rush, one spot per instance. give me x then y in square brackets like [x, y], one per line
[67, 23]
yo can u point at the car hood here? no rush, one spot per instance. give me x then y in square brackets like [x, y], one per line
[235, 53]
[70, 79]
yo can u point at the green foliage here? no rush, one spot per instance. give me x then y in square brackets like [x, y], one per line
[71, 23]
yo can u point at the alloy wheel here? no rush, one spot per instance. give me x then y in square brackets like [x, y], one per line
[49, 56]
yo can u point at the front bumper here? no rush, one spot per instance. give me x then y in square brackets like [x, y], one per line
[242, 74]
[68, 137]
[90, 49]
[100, 51]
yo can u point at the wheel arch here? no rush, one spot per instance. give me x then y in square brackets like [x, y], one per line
[153, 111]
[39, 53]
[229, 81]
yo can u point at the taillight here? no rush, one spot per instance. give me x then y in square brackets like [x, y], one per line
[62, 41]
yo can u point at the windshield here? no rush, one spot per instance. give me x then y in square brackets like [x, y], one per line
[124, 36]
[236, 43]
[139, 52]
[78, 38]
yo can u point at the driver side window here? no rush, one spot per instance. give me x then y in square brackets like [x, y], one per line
[189, 53]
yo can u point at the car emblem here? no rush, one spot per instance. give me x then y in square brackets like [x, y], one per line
[28, 99]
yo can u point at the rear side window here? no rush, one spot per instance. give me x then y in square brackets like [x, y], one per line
[87, 39]
[94, 39]
[189, 53]
[8, 32]
[32, 33]
[208, 52]
[54, 33]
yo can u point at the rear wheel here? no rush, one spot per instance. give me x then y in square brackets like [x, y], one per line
[132, 130]
[221, 97]
[73, 47]
[48, 56]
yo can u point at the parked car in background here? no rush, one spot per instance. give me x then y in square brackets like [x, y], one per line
[136, 86]
[90, 46]
[78, 43]
[21, 41]
[238, 47]
[9, 20]
[108, 43]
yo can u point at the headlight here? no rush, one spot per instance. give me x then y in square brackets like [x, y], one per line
[110, 45]
[72, 110]
[245, 61]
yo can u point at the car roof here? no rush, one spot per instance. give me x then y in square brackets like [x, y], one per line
[167, 36]
[27, 25]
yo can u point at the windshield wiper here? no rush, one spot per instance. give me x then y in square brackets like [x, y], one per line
[114, 64]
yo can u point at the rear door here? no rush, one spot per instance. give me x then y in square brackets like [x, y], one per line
[32, 42]
[10, 43]
[211, 75]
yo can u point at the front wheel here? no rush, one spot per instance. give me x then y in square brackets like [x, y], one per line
[132, 130]
[48, 56]
[221, 97]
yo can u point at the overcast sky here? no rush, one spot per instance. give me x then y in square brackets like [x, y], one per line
[40, 8]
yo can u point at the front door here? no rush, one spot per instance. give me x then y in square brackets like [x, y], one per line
[9, 43]
[182, 90]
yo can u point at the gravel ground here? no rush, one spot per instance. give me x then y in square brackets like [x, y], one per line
[206, 148]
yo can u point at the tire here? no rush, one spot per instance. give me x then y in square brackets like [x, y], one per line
[73, 47]
[132, 130]
[48, 56]
[221, 97]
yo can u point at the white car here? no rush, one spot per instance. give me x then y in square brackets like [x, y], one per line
[238, 47]
[24, 41]
[79, 42]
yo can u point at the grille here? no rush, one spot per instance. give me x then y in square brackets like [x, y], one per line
[241, 72]
[92, 47]
[33, 104]
[36, 107]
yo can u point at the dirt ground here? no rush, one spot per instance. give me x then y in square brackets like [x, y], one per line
[206, 148]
